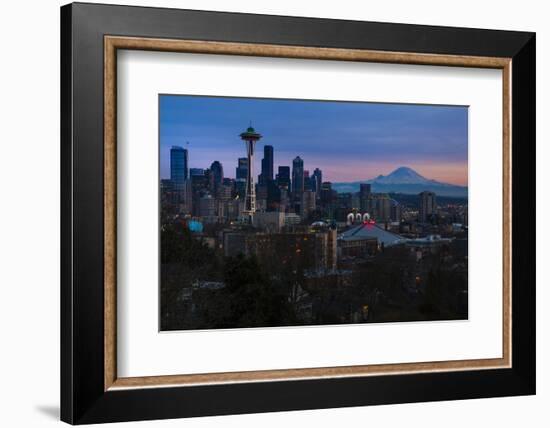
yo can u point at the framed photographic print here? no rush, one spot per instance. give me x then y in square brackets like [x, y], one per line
[266, 213]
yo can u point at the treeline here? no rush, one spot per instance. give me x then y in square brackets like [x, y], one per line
[249, 297]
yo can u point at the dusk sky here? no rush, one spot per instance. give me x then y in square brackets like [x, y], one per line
[348, 141]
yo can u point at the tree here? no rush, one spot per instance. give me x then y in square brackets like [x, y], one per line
[431, 306]
[184, 260]
[252, 299]
[179, 246]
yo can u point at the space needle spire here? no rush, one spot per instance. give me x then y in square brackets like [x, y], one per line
[250, 137]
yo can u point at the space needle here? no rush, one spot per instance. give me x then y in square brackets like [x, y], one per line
[250, 136]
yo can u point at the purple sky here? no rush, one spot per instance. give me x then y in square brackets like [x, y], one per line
[348, 141]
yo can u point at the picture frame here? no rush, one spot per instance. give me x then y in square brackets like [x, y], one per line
[91, 390]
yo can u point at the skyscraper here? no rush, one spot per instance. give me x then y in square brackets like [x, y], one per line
[327, 194]
[427, 206]
[396, 211]
[193, 172]
[297, 180]
[308, 203]
[318, 180]
[216, 176]
[307, 183]
[365, 189]
[383, 208]
[283, 177]
[242, 168]
[178, 167]
[364, 195]
[328, 199]
[267, 166]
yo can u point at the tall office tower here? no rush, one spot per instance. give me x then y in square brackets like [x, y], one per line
[396, 211]
[427, 205]
[216, 176]
[345, 201]
[365, 189]
[198, 178]
[307, 183]
[283, 178]
[242, 168]
[308, 203]
[364, 195]
[267, 166]
[383, 205]
[250, 137]
[326, 192]
[317, 178]
[328, 199]
[178, 166]
[297, 179]
[273, 196]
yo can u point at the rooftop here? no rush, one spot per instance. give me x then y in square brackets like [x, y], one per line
[371, 230]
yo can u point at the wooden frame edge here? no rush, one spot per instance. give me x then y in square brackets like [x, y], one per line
[301, 52]
[112, 43]
[507, 213]
[308, 373]
[109, 198]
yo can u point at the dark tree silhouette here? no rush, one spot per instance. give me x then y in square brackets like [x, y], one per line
[252, 299]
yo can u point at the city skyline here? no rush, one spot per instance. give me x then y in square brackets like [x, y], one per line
[378, 137]
[257, 230]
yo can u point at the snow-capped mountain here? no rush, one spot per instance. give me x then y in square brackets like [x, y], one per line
[402, 175]
[404, 180]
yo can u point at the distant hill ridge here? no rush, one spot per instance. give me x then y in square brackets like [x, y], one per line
[404, 180]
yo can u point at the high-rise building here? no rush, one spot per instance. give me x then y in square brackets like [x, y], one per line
[308, 181]
[182, 200]
[327, 196]
[216, 176]
[271, 222]
[384, 208]
[345, 201]
[364, 195]
[308, 203]
[207, 206]
[194, 172]
[283, 177]
[273, 196]
[297, 180]
[427, 206]
[242, 168]
[267, 166]
[329, 199]
[250, 137]
[178, 166]
[364, 190]
[396, 211]
[378, 205]
[199, 186]
[225, 192]
[317, 178]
